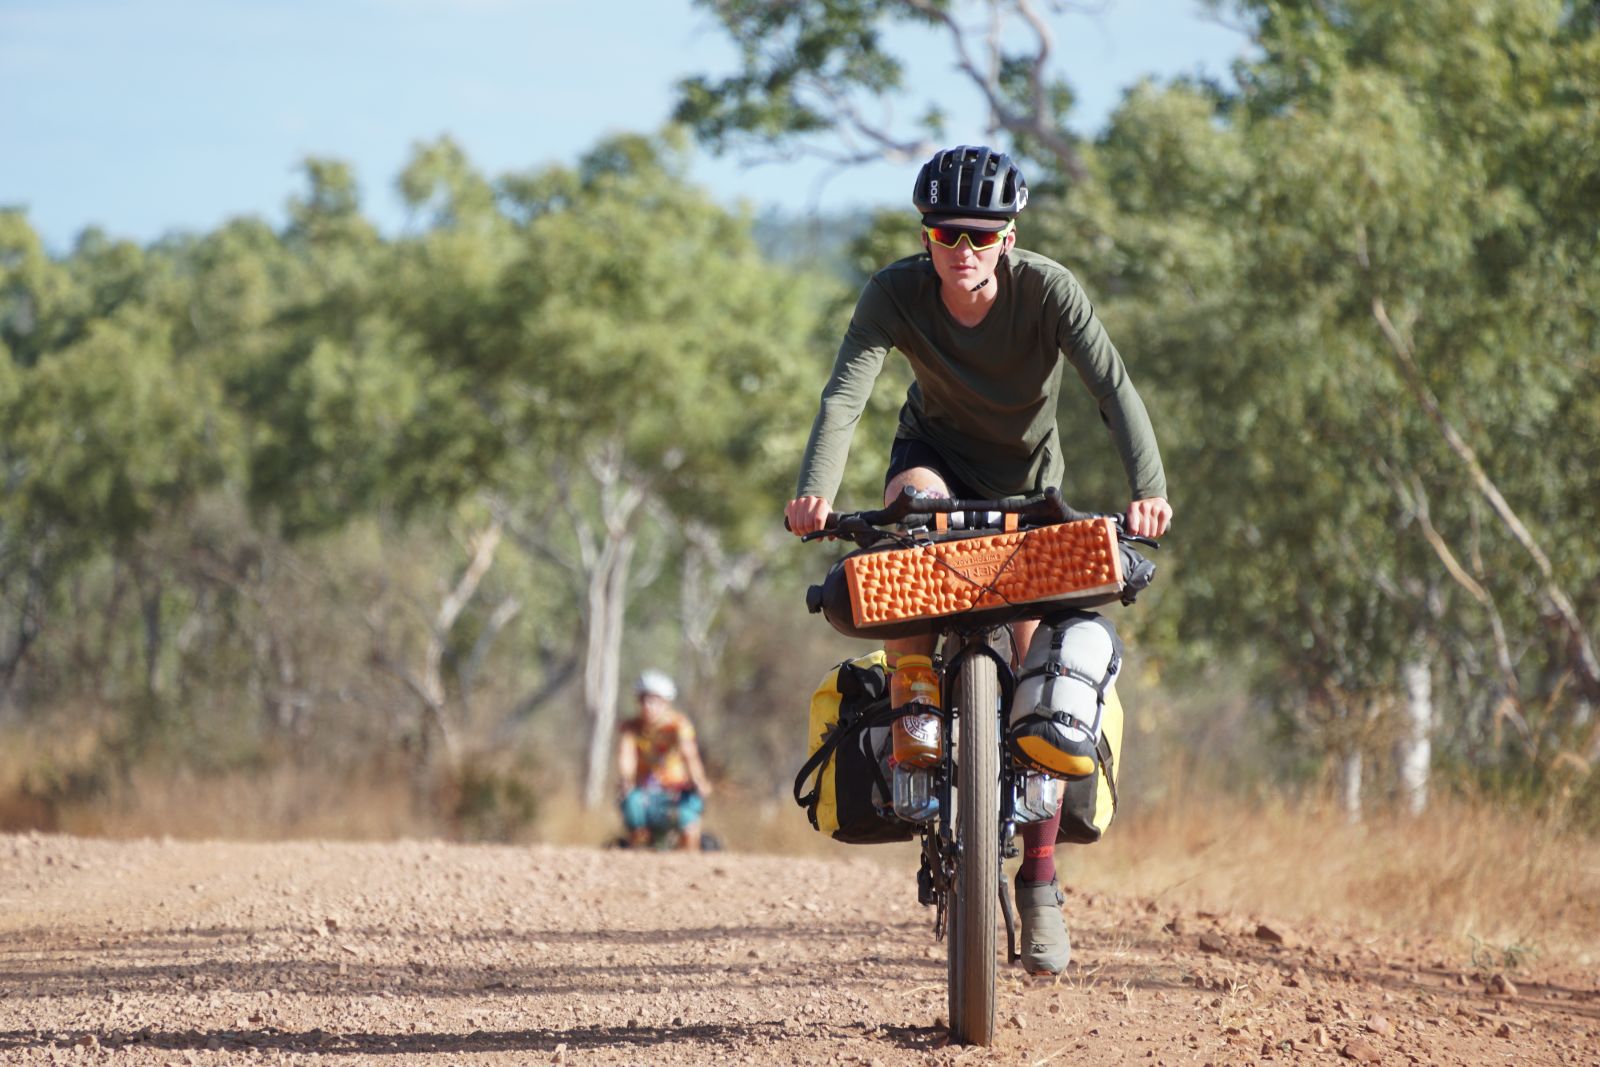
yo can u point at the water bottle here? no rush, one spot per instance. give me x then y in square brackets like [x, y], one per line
[914, 687]
[914, 798]
[1036, 797]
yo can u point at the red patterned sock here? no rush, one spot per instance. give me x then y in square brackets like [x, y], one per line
[1039, 850]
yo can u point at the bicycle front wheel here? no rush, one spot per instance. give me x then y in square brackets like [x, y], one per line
[974, 906]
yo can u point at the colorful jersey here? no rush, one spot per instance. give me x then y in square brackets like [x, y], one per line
[659, 748]
[985, 396]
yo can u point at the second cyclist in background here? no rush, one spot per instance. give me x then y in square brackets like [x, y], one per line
[659, 773]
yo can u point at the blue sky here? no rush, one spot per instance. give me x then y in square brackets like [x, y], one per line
[143, 116]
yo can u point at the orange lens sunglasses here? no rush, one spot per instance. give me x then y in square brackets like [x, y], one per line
[978, 240]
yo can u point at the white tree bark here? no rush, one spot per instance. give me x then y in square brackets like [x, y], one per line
[602, 571]
[602, 666]
[427, 682]
[607, 556]
[1351, 766]
[1416, 740]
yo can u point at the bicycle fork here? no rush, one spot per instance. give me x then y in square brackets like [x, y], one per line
[941, 852]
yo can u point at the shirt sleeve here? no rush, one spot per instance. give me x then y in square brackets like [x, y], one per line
[1090, 351]
[855, 369]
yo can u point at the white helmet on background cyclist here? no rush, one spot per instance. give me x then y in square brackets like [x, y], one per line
[656, 683]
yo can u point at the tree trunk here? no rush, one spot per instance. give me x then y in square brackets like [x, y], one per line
[1585, 662]
[1416, 741]
[430, 687]
[607, 564]
[30, 611]
[602, 568]
[1350, 770]
[608, 605]
[427, 683]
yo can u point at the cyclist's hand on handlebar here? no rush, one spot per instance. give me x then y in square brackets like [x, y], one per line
[806, 514]
[1149, 517]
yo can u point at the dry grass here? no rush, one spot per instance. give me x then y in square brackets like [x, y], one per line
[1484, 880]
[1498, 882]
[280, 804]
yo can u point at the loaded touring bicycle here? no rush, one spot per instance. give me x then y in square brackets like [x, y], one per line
[963, 570]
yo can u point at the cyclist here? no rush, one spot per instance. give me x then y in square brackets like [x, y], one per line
[659, 773]
[988, 329]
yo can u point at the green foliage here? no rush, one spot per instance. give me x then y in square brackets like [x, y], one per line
[789, 52]
[241, 467]
[110, 433]
[1359, 163]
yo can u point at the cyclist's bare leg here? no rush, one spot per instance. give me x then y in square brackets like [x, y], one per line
[689, 837]
[1021, 638]
[639, 838]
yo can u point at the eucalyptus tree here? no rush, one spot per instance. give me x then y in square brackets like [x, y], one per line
[108, 431]
[1411, 146]
[627, 365]
[1412, 476]
[1358, 287]
[670, 355]
[817, 76]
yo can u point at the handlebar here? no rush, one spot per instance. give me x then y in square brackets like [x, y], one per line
[912, 509]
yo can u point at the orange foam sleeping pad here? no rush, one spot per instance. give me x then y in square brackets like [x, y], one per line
[949, 577]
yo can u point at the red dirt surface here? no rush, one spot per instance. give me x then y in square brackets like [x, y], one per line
[158, 952]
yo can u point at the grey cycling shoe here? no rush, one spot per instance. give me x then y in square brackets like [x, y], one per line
[1046, 948]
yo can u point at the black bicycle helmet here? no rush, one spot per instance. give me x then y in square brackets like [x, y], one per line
[970, 181]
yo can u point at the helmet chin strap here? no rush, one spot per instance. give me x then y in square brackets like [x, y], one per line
[981, 284]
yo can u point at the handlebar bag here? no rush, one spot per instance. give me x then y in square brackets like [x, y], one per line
[896, 591]
[844, 784]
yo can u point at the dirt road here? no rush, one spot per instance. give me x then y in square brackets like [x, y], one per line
[161, 952]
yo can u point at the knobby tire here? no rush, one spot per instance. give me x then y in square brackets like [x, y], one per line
[974, 910]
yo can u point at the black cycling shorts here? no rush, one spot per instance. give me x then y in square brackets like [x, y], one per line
[907, 453]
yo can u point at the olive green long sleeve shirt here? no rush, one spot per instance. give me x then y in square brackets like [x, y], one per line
[985, 396]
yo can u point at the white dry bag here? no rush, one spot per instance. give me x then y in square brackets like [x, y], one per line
[1061, 695]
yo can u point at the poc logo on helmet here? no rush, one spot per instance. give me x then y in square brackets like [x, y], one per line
[933, 191]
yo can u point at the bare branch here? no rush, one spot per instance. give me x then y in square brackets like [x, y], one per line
[1041, 30]
[1582, 648]
[1039, 122]
[510, 607]
[1415, 500]
[483, 544]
